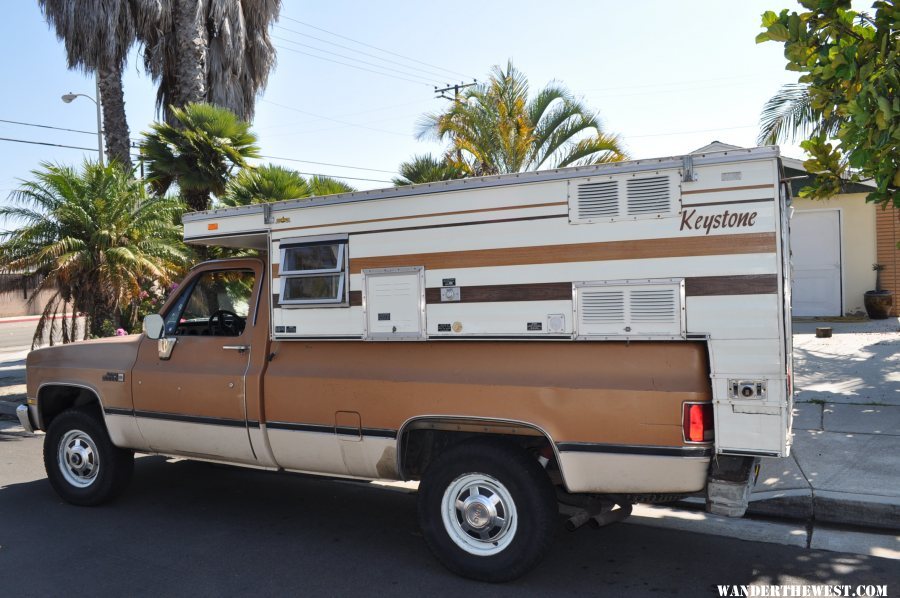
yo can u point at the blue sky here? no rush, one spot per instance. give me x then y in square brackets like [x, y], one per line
[668, 76]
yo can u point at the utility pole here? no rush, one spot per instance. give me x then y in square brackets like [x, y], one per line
[443, 90]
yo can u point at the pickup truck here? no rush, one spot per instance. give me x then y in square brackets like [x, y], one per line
[493, 339]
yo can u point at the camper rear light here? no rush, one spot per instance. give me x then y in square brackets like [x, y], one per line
[697, 422]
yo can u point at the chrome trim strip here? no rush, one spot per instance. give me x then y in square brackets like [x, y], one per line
[636, 449]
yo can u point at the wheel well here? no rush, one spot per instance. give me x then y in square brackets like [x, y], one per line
[53, 400]
[421, 441]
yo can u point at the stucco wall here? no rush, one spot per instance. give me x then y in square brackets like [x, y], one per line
[858, 244]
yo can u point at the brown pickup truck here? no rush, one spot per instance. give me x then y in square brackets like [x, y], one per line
[575, 339]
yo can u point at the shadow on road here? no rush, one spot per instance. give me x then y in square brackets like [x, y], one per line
[206, 530]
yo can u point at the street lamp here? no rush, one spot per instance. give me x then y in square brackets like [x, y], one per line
[70, 97]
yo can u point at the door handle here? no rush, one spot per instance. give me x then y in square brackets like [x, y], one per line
[238, 348]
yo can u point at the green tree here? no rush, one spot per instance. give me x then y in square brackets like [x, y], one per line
[850, 66]
[97, 36]
[216, 51]
[496, 128]
[270, 182]
[199, 153]
[427, 168]
[95, 237]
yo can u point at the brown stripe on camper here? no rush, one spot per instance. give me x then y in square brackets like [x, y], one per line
[720, 189]
[577, 252]
[749, 284]
[545, 291]
[430, 215]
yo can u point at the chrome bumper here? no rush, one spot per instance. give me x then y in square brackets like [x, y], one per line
[24, 418]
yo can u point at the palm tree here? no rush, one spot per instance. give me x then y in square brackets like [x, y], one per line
[275, 183]
[97, 36]
[425, 169]
[199, 153]
[495, 128]
[94, 236]
[218, 51]
[789, 115]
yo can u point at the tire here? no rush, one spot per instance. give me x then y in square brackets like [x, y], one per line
[83, 465]
[487, 510]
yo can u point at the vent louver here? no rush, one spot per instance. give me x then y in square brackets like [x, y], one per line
[648, 195]
[622, 197]
[598, 200]
[633, 309]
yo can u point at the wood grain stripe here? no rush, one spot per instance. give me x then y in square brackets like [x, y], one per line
[577, 252]
[717, 190]
[432, 215]
[748, 284]
[547, 291]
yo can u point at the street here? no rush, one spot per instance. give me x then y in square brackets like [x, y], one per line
[189, 528]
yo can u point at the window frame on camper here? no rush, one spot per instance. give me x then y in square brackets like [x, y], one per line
[341, 269]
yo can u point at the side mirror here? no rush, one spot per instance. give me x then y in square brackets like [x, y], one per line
[154, 326]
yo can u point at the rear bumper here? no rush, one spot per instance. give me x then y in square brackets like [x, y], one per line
[24, 418]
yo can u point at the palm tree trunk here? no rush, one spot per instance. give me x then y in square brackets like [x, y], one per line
[191, 50]
[115, 125]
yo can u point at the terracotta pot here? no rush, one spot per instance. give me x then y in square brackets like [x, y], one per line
[878, 304]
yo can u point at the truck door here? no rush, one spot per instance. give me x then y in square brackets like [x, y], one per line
[193, 401]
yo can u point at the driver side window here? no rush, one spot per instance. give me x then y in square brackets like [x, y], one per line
[217, 304]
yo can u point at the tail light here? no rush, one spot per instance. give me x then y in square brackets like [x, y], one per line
[697, 422]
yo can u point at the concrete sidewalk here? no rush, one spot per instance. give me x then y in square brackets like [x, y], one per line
[845, 461]
[844, 466]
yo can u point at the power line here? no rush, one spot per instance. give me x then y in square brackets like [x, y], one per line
[329, 164]
[18, 122]
[355, 41]
[333, 176]
[387, 68]
[89, 149]
[325, 41]
[353, 66]
[342, 122]
[304, 122]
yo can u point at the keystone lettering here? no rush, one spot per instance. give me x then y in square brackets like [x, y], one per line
[689, 220]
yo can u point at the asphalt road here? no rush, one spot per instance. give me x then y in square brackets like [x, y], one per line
[187, 528]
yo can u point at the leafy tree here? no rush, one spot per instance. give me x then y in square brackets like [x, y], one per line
[270, 182]
[216, 51]
[199, 153]
[495, 128]
[850, 66]
[97, 36]
[427, 168]
[95, 237]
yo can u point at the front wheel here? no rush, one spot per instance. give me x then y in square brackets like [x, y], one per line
[487, 510]
[83, 465]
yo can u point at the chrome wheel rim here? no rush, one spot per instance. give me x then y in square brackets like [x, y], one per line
[78, 459]
[479, 514]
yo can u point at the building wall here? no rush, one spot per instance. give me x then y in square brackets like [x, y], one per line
[888, 228]
[14, 303]
[858, 241]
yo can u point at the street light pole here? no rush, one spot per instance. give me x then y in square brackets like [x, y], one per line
[69, 97]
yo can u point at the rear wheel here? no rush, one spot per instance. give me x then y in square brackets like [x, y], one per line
[83, 465]
[487, 510]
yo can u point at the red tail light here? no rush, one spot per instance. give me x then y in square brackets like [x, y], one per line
[698, 422]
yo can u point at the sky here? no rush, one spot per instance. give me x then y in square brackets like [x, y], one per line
[669, 77]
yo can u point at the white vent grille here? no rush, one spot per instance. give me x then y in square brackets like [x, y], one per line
[649, 196]
[598, 200]
[632, 309]
[623, 197]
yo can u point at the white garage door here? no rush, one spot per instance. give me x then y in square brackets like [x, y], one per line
[816, 257]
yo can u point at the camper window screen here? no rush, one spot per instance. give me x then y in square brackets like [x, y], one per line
[313, 271]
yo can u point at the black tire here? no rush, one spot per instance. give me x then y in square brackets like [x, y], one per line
[97, 472]
[525, 483]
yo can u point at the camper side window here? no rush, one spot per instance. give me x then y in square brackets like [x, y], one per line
[313, 271]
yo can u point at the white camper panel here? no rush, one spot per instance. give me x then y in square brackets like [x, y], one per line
[678, 249]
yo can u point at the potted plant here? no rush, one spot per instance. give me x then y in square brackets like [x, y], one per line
[878, 302]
